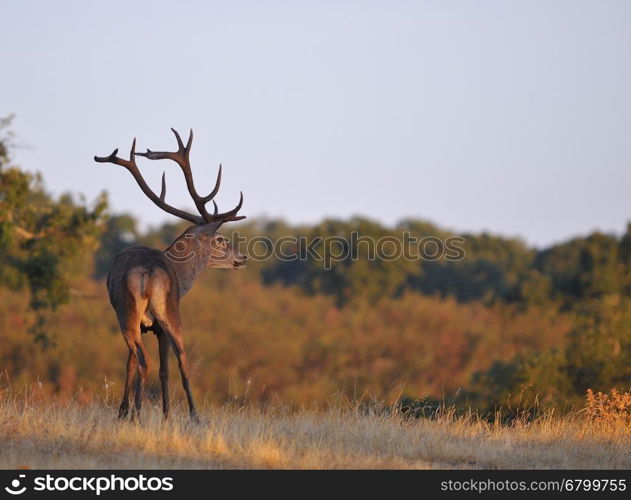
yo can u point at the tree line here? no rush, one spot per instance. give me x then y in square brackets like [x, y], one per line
[47, 243]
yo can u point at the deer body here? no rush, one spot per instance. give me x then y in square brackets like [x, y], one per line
[145, 285]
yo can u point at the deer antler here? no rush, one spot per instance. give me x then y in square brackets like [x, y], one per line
[181, 157]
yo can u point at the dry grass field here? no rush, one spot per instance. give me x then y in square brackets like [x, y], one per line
[54, 433]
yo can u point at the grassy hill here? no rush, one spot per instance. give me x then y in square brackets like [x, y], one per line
[40, 432]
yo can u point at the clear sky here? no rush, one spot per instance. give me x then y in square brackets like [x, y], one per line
[508, 116]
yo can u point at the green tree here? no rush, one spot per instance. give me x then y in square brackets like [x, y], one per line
[585, 268]
[355, 258]
[493, 268]
[43, 240]
[598, 354]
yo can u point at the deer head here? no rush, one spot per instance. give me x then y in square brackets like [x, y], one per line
[200, 244]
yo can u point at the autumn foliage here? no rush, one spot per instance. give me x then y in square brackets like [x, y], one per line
[506, 322]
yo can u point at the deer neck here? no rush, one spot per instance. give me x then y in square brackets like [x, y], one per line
[188, 260]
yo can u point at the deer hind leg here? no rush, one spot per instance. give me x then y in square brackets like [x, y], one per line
[138, 359]
[177, 341]
[143, 370]
[128, 326]
[171, 326]
[123, 411]
[163, 343]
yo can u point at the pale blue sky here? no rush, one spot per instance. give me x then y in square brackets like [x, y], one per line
[509, 116]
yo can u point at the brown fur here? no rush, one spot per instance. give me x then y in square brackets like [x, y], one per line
[145, 287]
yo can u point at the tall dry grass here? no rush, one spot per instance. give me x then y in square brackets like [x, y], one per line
[613, 408]
[54, 433]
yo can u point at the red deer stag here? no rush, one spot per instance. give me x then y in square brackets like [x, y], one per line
[145, 285]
